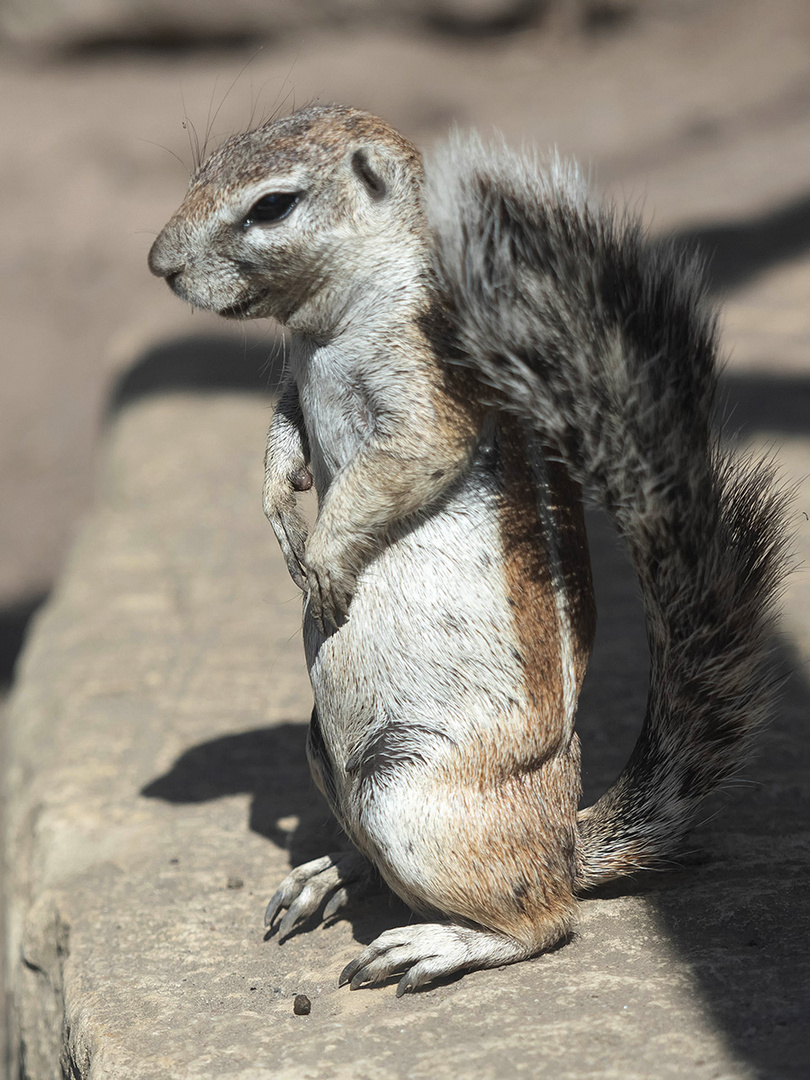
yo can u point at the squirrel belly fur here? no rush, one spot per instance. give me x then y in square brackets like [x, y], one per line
[473, 341]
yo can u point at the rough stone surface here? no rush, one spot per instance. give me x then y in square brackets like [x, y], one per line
[158, 792]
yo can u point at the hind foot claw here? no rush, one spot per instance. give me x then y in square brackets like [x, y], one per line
[336, 879]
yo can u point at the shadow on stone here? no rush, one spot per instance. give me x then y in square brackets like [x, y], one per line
[205, 363]
[735, 252]
[736, 904]
[14, 621]
[269, 765]
[741, 918]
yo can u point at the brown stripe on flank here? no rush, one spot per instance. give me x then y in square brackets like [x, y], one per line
[531, 585]
[530, 590]
[565, 503]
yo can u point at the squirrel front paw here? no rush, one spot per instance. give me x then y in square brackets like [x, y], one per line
[291, 532]
[288, 523]
[331, 586]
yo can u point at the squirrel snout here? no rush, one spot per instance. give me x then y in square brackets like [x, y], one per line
[162, 262]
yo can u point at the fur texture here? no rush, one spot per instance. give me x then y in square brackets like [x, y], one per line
[469, 345]
[604, 344]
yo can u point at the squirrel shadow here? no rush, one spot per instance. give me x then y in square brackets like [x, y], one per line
[735, 902]
[741, 920]
[269, 765]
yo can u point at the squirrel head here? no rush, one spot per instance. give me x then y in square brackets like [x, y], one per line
[298, 220]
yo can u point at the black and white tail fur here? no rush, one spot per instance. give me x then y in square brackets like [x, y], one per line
[604, 345]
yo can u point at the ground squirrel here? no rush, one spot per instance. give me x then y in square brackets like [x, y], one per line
[472, 339]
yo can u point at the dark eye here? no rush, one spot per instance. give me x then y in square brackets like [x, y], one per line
[272, 207]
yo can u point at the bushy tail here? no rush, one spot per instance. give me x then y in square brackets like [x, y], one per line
[603, 343]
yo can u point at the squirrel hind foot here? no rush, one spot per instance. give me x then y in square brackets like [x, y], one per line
[424, 952]
[326, 885]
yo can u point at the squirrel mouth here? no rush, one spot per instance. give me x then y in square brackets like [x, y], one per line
[242, 310]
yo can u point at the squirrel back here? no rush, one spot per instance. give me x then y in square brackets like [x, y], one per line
[604, 345]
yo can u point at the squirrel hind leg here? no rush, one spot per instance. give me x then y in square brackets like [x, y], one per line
[425, 952]
[487, 860]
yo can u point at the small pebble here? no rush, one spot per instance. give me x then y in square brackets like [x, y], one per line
[235, 882]
[302, 1006]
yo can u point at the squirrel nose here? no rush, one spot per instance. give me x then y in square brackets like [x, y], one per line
[163, 263]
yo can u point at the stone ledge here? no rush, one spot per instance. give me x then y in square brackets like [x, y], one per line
[158, 791]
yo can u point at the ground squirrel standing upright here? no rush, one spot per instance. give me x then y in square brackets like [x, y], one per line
[471, 340]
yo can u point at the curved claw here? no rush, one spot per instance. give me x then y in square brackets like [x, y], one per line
[274, 907]
[337, 902]
[305, 904]
[288, 921]
[293, 885]
[321, 606]
[291, 533]
[376, 964]
[334, 879]
[419, 975]
[351, 969]
[330, 594]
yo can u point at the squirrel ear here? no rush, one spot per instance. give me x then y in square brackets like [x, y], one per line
[368, 174]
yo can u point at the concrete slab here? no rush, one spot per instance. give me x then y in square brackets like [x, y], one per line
[158, 792]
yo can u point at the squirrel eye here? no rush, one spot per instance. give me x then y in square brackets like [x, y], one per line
[272, 207]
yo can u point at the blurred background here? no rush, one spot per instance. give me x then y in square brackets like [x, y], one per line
[696, 112]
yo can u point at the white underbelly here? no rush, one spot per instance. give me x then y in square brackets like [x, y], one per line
[430, 638]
